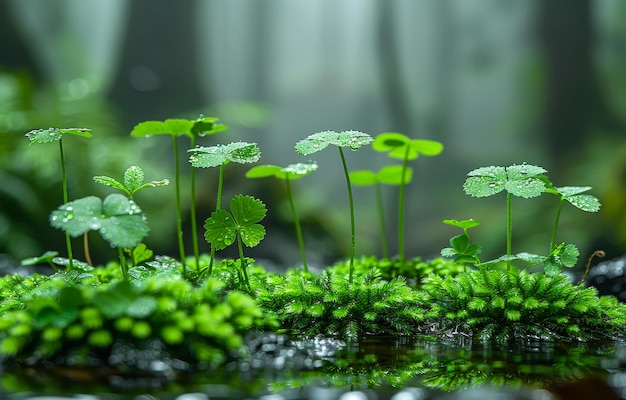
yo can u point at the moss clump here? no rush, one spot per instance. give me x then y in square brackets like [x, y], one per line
[517, 304]
[78, 323]
[329, 304]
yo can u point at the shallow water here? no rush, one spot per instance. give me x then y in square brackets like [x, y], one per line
[370, 369]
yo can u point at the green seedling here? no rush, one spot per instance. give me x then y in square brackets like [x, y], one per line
[182, 127]
[220, 156]
[241, 224]
[118, 220]
[389, 175]
[351, 139]
[133, 181]
[573, 195]
[461, 247]
[524, 181]
[399, 146]
[288, 173]
[52, 135]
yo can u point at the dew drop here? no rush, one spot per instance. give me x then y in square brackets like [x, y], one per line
[492, 185]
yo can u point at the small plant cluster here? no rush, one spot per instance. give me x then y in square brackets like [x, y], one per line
[81, 320]
[329, 304]
[201, 306]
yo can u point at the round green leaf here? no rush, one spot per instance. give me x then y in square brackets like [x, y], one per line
[203, 126]
[297, 171]
[392, 175]
[118, 219]
[523, 171]
[388, 141]
[483, 186]
[54, 134]
[363, 178]
[263, 171]
[463, 224]
[319, 141]
[527, 188]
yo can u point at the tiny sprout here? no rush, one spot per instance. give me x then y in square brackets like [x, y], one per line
[241, 224]
[461, 248]
[133, 181]
[56, 134]
[200, 126]
[351, 139]
[399, 146]
[220, 156]
[290, 172]
[517, 180]
[573, 195]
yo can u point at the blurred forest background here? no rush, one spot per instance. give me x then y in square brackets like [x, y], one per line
[497, 81]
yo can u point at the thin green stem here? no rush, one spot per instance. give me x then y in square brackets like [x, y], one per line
[352, 224]
[509, 234]
[405, 163]
[243, 262]
[192, 212]
[123, 265]
[381, 221]
[556, 224]
[179, 212]
[218, 206]
[68, 239]
[296, 221]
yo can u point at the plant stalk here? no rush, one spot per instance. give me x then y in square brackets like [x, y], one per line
[405, 163]
[381, 221]
[556, 224]
[509, 235]
[296, 221]
[243, 262]
[218, 206]
[68, 239]
[86, 249]
[179, 213]
[123, 265]
[352, 224]
[192, 211]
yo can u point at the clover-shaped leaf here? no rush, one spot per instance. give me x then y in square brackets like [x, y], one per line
[178, 127]
[319, 141]
[223, 227]
[389, 175]
[133, 181]
[203, 126]
[519, 180]
[463, 224]
[292, 171]
[214, 156]
[119, 220]
[402, 147]
[54, 134]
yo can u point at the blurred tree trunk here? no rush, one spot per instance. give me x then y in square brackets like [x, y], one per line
[159, 61]
[393, 85]
[575, 104]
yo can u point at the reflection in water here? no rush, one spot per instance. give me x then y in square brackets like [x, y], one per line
[372, 368]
